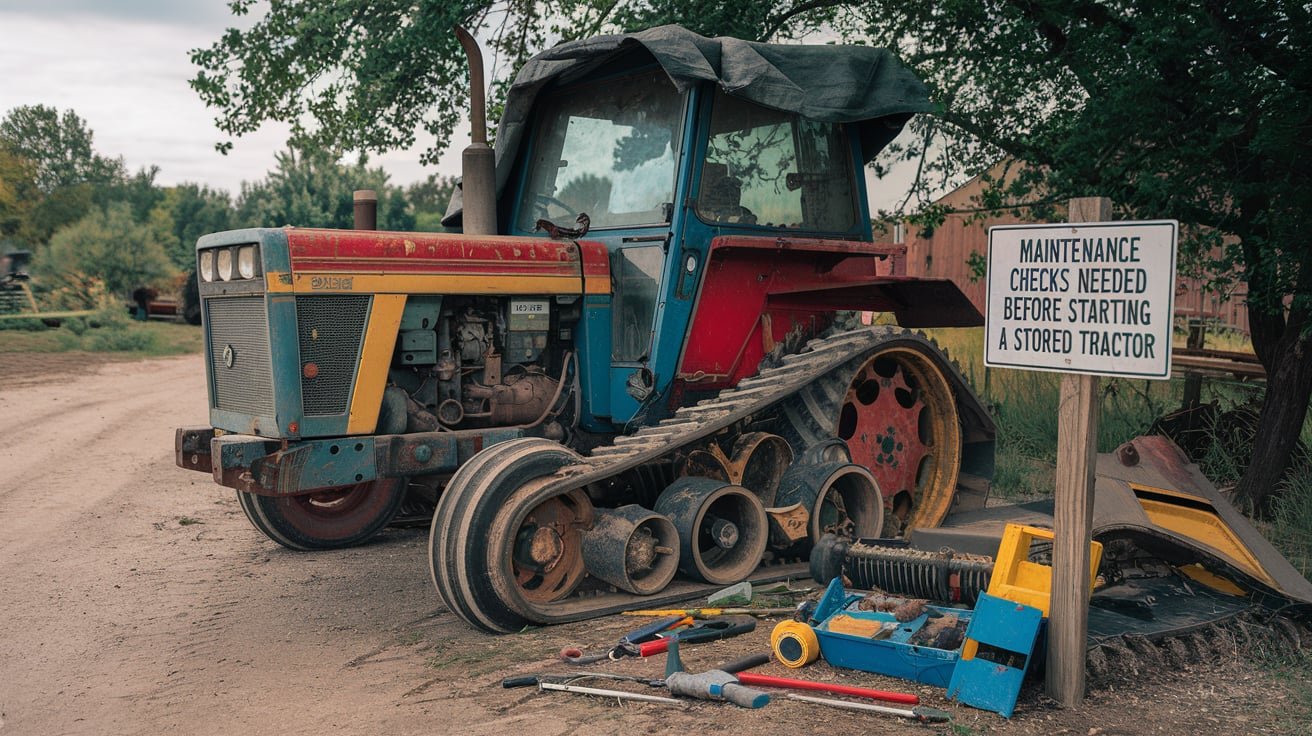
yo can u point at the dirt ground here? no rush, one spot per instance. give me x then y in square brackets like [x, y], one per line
[136, 599]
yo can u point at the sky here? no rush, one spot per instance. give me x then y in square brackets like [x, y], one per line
[123, 66]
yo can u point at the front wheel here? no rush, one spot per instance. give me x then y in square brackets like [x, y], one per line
[328, 519]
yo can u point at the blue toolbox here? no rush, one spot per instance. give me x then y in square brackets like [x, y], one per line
[875, 641]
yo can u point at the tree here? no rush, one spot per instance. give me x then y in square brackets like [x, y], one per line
[1192, 110]
[59, 146]
[107, 244]
[429, 198]
[364, 75]
[311, 189]
[18, 195]
[185, 213]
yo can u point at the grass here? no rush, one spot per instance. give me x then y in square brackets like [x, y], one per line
[105, 332]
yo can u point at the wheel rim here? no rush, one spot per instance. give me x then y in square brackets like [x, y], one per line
[546, 557]
[336, 513]
[898, 418]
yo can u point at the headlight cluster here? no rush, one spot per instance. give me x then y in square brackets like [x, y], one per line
[226, 264]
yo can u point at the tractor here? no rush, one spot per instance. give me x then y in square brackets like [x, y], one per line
[631, 374]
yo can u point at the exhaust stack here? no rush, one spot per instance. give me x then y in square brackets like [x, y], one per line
[478, 162]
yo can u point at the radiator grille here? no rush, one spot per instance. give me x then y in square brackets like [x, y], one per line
[330, 330]
[239, 334]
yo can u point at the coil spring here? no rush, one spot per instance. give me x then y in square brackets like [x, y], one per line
[941, 576]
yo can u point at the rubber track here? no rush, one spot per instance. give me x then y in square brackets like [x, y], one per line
[692, 424]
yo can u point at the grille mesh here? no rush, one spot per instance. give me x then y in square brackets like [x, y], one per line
[330, 330]
[242, 323]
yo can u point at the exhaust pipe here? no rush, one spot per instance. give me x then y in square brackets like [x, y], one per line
[365, 203]
[478, 162]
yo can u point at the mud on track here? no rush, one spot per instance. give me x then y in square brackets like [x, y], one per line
[136, 599]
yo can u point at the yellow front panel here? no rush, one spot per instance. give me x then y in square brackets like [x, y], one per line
[379, 341]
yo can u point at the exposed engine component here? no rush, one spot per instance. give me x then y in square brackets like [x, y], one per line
[481, 362]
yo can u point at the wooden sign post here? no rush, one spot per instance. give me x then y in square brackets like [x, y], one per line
[1072, 516]
[1087, 299]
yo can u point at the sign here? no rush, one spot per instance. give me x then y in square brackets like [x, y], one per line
[1094, 298]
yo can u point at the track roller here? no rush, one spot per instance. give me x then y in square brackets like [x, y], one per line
[722, 528]
[634, 549]
[756, 463]
[842, 499]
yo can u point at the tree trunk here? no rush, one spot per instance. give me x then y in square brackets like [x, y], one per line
[1284, 407]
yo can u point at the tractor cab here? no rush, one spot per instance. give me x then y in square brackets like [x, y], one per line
[660, 168]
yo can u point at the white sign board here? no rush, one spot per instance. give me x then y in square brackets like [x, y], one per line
[1091, 298]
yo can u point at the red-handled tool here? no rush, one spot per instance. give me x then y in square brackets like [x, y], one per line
[708, 631]
[752, 678]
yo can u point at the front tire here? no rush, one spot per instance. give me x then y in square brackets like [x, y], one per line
[328, 519]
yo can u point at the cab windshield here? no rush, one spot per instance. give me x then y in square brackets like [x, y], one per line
[607, 150]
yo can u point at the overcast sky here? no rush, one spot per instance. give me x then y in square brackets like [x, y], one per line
[123, 66]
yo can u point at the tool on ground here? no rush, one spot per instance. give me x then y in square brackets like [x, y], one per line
[712, 612]
[713, 630]
[709, 685]
[795, 644]
[745, 663]
[629, 644]
[622, 694]
[920, 713]
[751, 678]
[696, 686]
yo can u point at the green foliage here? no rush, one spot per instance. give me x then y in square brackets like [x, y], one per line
[368, 73]
[312, 189]
[59, 146]
[185, 213]
[108, 245]
[429, 199]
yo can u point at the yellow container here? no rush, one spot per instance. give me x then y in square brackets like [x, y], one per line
[795, 644]
[1017, 579]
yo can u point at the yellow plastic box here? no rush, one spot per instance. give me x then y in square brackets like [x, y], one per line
[1017, 579]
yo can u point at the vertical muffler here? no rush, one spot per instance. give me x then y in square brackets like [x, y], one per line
[478, 182]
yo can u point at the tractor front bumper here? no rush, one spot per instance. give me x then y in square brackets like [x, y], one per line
[276, 468]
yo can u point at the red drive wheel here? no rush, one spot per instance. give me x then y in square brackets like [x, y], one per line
[895, 409]
[330, 518]
[899, 419]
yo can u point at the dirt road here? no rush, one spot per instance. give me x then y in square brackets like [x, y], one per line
[136, 599]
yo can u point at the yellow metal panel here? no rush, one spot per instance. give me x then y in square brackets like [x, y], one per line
[278, 282]
[1202, 526]
[596, 285]
[374, 283]
[379, 341]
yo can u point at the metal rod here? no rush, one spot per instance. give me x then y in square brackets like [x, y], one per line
[919, 713]
[622, 694]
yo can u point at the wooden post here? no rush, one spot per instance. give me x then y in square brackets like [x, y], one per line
[1077, 447]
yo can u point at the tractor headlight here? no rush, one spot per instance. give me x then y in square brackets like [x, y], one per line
[207, 265]
[225, 264]
[246, 261]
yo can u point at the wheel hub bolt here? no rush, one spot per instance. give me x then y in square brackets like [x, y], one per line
[541, 548]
